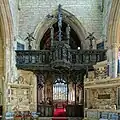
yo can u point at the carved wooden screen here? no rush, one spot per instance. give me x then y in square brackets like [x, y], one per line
[86, 99]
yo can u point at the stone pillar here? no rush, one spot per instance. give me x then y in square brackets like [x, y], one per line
[114, 60]
[34, 82]
[109, 58]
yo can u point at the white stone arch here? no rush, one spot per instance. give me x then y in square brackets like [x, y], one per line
[69, 19]
[6, 26]
[113, 37]
[113, 33]
[6, 39]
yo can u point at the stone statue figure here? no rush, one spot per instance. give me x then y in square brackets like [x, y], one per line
[30, 38]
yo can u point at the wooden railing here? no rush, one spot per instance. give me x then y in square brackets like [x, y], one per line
[75, 111]
[46, 59]
[87, 57]
[32, 57]
[45, 110]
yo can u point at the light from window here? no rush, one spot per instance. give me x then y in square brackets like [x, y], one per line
[100, 45]
[20, 46]
[60, 91]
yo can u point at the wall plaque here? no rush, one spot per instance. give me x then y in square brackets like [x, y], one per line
[104, 96]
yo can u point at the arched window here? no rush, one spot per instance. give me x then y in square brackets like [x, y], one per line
[60, 89]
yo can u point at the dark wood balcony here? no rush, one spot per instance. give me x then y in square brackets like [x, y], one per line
[33, 60]
[56, 58]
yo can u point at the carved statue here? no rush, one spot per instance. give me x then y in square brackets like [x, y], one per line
[30, 38]
[20, 80]
[91, 38]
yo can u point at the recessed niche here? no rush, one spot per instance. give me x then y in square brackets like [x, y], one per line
[104, 96]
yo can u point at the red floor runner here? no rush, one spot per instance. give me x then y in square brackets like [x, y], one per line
[59, 112]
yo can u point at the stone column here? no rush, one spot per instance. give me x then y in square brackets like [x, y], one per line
[109, 60]
[36, 91]
[114, 60]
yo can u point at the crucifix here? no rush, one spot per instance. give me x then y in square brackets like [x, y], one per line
[91, 38]
[30, 38]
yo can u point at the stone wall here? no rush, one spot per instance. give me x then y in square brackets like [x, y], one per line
[34, 12]
[106, 12]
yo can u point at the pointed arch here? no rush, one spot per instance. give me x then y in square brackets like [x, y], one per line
[6, 26]
[69, 19]
[113, 34]
[6, 37]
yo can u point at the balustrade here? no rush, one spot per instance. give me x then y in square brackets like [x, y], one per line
[45, 110]
[75, 110]
[28, 57]
[60, 56]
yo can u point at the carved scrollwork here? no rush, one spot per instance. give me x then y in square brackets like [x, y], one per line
[101, 72]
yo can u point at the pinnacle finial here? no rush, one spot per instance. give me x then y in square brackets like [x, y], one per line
[60, 22]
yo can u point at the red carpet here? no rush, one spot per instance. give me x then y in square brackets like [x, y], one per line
[59, 112]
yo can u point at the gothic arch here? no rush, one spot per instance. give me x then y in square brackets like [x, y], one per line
[113, 34]
[6, 31]
[69, 19]
[5, 45]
